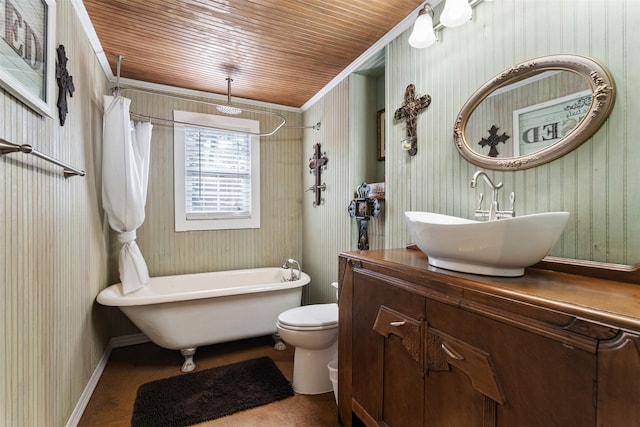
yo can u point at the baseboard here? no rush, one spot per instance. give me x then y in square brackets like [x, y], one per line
[127, 340]
[115, 342]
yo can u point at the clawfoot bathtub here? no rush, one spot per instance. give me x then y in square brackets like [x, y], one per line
[188, 311]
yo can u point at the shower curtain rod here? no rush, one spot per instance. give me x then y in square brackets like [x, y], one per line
[143, 117]
[119, 91]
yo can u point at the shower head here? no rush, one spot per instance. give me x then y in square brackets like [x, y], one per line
[228, 108]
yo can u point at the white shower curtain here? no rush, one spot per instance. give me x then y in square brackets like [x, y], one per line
[125, 174]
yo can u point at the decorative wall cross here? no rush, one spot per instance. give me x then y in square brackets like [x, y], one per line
[317, 164]
[65, 84]
[409, 111]
[493, 140]
[363, 209]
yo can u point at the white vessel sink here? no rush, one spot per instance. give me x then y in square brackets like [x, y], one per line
[502, 247]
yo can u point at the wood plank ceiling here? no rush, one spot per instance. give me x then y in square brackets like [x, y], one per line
[277, 51]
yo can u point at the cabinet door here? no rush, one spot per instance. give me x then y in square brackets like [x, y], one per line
[388, 380]
[503, 375]
[462, 388]
[619, 381]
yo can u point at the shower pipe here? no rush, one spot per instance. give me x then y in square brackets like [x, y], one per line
[7, 147]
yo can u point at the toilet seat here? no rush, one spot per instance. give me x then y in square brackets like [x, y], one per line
[310, 317]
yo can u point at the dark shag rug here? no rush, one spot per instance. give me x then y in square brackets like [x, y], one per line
[196, 397]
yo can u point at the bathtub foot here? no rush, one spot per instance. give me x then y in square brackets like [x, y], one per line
[280, 345]
[188, 365]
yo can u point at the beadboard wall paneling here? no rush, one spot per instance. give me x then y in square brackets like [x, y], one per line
[168, 252]
[363, 162]
[327, 228]
[53, 253]
[348, 135]
[595, 183]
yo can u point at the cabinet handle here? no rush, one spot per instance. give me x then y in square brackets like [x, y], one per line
[400, 323]
[452, 354]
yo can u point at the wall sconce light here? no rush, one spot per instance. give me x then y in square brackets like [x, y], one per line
[455, 13]
[423, 34]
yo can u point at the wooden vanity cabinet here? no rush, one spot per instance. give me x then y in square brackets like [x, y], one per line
[420, 346]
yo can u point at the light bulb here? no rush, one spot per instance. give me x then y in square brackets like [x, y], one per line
[423, 35]
[455, 13]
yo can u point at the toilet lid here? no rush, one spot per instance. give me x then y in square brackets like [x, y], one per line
[316, 315]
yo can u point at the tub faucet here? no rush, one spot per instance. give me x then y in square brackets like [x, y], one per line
[289, 264]
[492, 213]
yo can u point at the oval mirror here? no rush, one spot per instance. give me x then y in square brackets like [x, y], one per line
[534, 112]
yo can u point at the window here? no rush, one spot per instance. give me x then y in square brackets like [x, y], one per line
[216, 173]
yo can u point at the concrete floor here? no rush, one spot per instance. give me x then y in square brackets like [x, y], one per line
[129, 367]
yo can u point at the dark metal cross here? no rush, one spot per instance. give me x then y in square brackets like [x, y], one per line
[493, 140]
[409, 111]
[316, 164]
[65, 84]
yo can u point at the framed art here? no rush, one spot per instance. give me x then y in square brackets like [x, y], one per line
[539, 126]
[381, 142]
[27, 52]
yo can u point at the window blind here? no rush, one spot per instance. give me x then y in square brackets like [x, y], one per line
[217, 174]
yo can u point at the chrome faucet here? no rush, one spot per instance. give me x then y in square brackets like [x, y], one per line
[289, 264]
[494, 211]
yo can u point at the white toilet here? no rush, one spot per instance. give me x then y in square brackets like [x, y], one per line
[313, 331]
